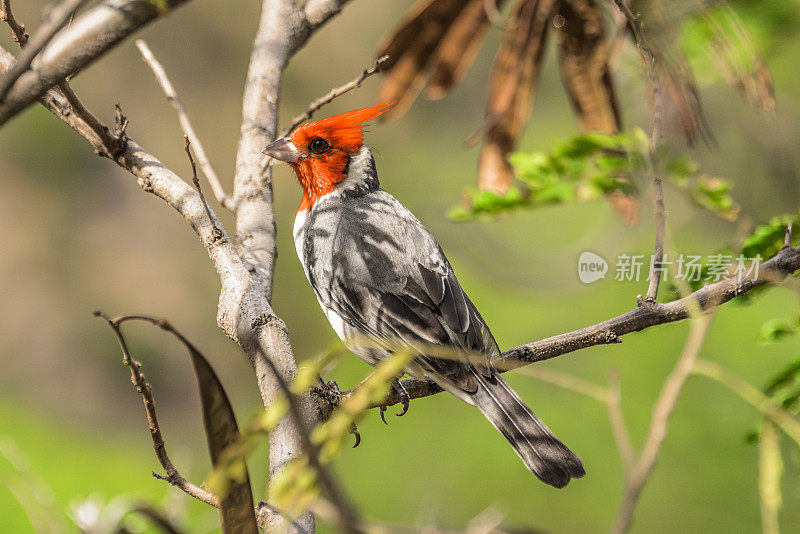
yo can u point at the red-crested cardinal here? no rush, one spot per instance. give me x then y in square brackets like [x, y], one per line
[379, 274]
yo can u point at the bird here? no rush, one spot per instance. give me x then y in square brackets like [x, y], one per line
[379, 274]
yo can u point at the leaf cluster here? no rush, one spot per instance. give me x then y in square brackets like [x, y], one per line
[590, 167]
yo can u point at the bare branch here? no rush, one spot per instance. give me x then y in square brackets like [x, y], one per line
[186, 125]
[283, 28]
[143, 387]
[216, 232]
[635, 23]
[105, 143]
[335, 93]
[57, 18]
[617, 421]
[79, 117]
[17, 28]
[645, 315]
[89, 36]
[637, 476]
[318, 12]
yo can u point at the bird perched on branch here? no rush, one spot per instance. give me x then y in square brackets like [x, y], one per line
[380, 275]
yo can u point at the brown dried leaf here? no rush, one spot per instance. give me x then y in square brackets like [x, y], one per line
[511, 92]
[236, 508]
[410, 49]
[584, 62]
[583, 59]
[459, 47]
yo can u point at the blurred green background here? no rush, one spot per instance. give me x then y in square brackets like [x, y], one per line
[79, 235]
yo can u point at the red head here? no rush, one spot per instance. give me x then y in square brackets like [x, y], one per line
[319, 151]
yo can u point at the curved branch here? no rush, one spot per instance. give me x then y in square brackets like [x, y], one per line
[645, 315]
[58, 17]
[88, 37]
[143, 387]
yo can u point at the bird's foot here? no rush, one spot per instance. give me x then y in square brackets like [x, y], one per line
[405, 399]
[330, 396]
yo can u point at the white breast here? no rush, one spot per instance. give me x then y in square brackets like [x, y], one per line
[299, 234]
[337, 323]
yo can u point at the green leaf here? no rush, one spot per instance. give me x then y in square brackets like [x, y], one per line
[767, 239]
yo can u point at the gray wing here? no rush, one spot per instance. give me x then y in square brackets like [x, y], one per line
[374, 264]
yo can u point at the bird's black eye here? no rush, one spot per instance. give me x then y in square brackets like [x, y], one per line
[318, 145]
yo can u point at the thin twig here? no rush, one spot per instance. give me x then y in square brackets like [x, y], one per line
[111, 145]
[617, 421]
[637, 477]
[17, 28]
[334, 93]
[183, 118]
[143, 387]
[635, 23]
[216, 232]
[57, 18]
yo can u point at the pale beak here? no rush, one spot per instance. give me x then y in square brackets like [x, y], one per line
[282, 149]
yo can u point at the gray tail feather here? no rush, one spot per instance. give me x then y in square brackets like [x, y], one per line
[549, 459]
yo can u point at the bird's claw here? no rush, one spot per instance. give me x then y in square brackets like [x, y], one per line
[405, 399]
[382, 410]
[357, 434]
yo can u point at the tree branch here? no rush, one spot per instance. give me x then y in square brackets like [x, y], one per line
[318, 12]
[143, 387]
[283, 28]
[335, 93]
[183, 119]
[89, 36]
[635, 23]
[617, 421]
[78, 116]
[17, 28]
[645, 315]
[637, 476]
[56, 20]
